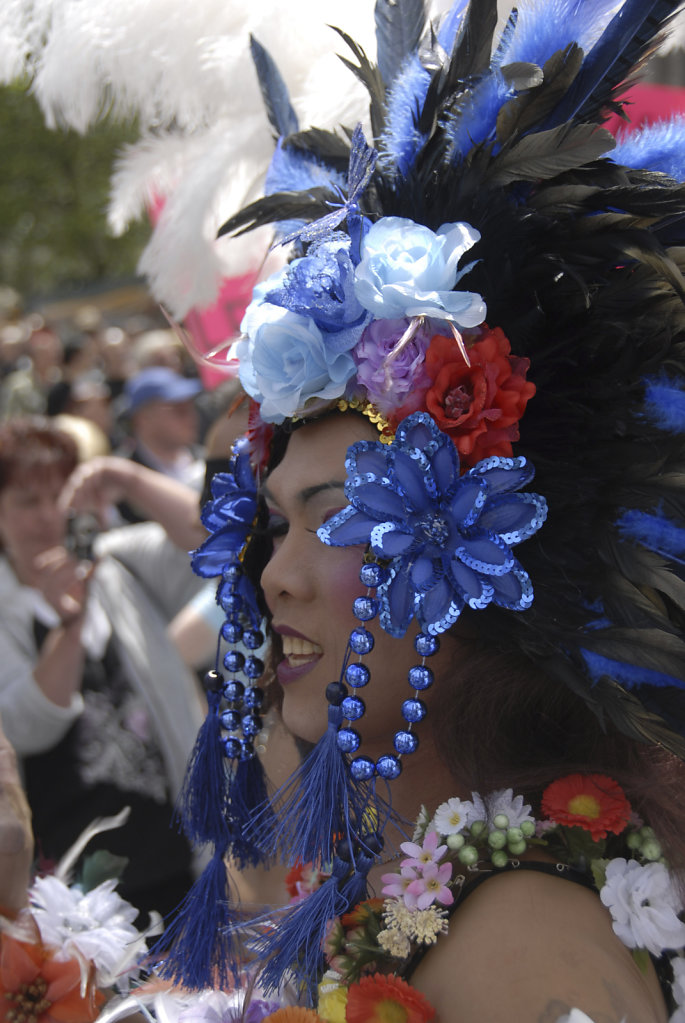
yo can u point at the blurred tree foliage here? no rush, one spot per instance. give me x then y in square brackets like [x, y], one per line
[53, 197]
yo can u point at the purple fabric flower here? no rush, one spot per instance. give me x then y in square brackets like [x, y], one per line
[447, 538]
[389, 382]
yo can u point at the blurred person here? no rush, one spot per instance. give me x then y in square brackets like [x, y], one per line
[159, 348]
[116, 353]
[159, 407]
[94, 697]
[25, 390]
[87, 397]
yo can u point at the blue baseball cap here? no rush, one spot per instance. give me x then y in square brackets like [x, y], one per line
[157, 383]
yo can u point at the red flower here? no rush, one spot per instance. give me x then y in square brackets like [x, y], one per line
[37, 988]
[590, 801]
[478, 406]
[386, 999]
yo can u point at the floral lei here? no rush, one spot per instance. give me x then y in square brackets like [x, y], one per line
[588, 825]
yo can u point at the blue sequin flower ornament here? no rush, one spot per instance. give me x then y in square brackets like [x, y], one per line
[229, 517]
[447, 538]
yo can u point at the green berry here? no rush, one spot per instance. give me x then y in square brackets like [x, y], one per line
[634, 840]
[477, 829]
[455, 841]
[468, 855]
[517, 848]
[514, 834]
[497, 839]
[651, 850]
[499, 858]
[501, 821]
[528, 828]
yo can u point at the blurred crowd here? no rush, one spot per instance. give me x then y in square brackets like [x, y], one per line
[107, 438]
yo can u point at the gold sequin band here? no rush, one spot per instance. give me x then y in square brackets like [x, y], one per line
[387, 434]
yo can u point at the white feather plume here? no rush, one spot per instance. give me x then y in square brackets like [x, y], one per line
[184, 71]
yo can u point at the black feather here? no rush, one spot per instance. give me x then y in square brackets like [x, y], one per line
[280, 206]
[399, 27]
[372, 79]
[473, 45]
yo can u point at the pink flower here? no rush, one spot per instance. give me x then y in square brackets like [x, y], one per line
[395, 885]
[432, 886]
[421, 856]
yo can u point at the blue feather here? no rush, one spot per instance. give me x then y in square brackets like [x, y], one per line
[292, 170]
[476, 119]
[276, 99]
[629, 675]
[635, 20]
[665, 403]
[655, 532]
[401, 140]
[656, 147]
[545, 28]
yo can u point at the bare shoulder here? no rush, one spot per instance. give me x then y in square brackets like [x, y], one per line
[529, 947]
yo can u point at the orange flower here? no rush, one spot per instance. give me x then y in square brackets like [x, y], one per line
[386, 999]
[36, 988]
[293, 1014]
[590, 801]
[358, 916]
[302, 880]
[478, 406]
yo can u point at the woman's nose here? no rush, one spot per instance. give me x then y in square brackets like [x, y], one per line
[288, 573]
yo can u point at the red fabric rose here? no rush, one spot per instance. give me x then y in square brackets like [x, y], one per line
[478, 406]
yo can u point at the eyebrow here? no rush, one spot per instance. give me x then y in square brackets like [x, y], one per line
[307, 493]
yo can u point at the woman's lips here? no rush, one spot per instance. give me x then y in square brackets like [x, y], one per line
[299, 655]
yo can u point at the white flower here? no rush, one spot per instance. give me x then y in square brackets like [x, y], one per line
[505, 802]
[97, 926]
[644, 905]
[394, 943]
[576, 1016]
[451, 817]
[678, 989]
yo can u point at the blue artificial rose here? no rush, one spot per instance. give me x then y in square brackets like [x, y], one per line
[286, 361]
[321, 285]
[408, 270]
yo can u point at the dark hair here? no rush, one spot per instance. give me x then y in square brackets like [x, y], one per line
[33, 444]
[504, 723]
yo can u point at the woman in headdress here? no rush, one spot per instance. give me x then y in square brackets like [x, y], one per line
[460, 505]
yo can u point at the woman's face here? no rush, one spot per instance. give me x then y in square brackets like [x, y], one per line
[30, 519]
[310, 589]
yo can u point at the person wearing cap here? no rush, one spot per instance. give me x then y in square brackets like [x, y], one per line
[158, 405]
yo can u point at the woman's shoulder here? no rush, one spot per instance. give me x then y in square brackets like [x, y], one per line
[530, 946]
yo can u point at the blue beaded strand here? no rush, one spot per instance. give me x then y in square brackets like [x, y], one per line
[357, 676]
[242, 700]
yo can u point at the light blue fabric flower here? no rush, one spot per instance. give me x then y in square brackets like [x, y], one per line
[408, 270]
[286, 361]
[448, 538]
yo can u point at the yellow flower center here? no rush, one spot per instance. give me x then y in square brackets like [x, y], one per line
[388, 1011]
[585, 805]
[29, 1002]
